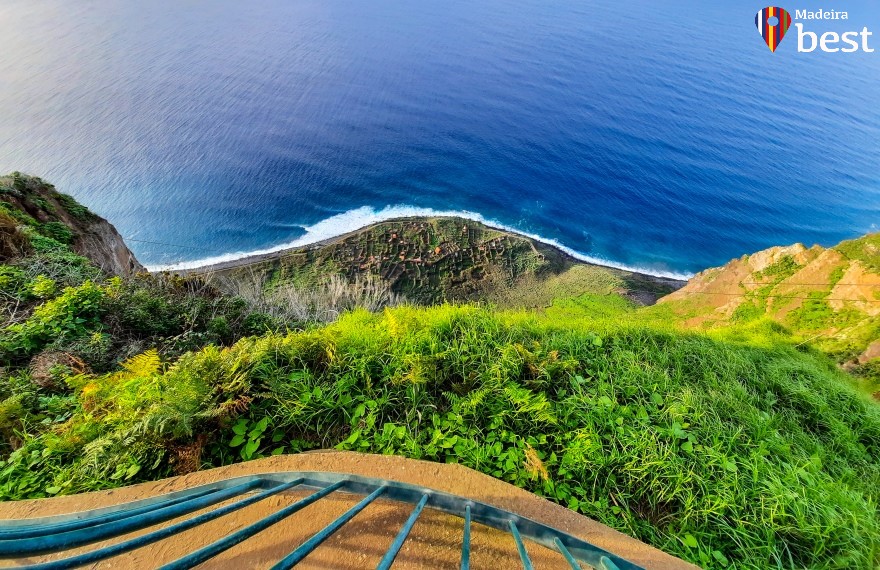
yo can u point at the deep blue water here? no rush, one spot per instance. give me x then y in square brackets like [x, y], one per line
[661, 135]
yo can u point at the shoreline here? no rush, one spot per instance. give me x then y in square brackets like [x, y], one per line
[265, 256]
[346, 224]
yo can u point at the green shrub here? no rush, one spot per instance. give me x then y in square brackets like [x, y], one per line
[19, 182]
[69, 316]
[57, 231]
[12, 280]
[55, 260]
[42, 287]
[219, 328]
[45, 244]
[74, 208]
[142, 312]
[865, 249]
[18, 215]
[747, 311]
[260, 323]
[95, 349]
[836, 275]
[782, 269]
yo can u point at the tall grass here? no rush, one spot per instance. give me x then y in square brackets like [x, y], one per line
[731, 449]
[321, 302]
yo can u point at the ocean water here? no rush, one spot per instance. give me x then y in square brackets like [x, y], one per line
[656, 135]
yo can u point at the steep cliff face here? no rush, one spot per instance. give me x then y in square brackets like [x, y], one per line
[100, 242]
[831, 297]
[34, 203]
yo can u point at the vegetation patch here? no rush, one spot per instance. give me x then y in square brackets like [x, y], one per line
[798, 297]
[432, 260]
[865, 249]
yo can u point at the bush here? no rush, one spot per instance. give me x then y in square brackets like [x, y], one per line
[12, 280]
[55, 260]
[69, 316]
[179, 314]
[57, 231]
[260, 323]
[42, 287]
[74, 208]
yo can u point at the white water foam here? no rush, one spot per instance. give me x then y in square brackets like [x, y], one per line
[364, 216]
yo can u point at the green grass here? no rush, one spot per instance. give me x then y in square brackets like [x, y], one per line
[780, 270]
[760, 299]
[726, 449]
[837, 274]
[816, 313]
[865, 249]
[540, 293]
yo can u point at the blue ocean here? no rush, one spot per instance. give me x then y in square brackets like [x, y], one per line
[663, 136]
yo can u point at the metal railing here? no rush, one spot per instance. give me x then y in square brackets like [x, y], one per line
[29, 537]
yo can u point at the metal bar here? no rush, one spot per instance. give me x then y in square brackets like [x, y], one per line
[480, 513]
[227, 542]
[523, 555]
[473, 512]
[38, 522]
[41, 530]
[607, 564]
[102, 530]
[308, 546]
[568, 557]
[466, 540]
[137, 542]
[391, 554]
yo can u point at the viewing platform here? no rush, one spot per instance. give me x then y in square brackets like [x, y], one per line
[320, 510]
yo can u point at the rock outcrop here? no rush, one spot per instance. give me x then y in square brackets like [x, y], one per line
[35, 203]
[830, 296]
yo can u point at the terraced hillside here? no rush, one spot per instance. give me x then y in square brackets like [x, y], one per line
[826, 297]
[430, 260]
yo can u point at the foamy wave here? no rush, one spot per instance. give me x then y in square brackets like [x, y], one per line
[364, 216]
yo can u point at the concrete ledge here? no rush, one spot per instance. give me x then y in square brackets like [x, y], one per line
[453, 479]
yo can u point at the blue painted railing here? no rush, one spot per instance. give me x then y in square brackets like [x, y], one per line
[26, 538]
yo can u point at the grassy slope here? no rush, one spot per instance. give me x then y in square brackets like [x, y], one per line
[729, 448]
[828, 298]
[54, 300]
[432, 260]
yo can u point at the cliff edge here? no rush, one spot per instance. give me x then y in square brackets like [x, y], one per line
[31, 203]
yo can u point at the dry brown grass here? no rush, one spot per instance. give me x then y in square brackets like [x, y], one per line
[321, 303]
[12, 242]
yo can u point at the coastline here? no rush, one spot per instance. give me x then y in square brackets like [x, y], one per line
[341, 226]
[256, 258]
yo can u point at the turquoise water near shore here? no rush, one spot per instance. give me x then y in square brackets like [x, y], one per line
[659, 136]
